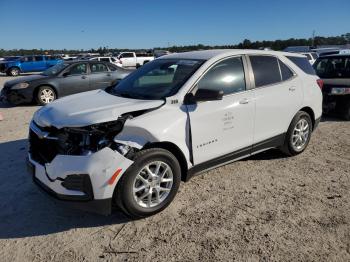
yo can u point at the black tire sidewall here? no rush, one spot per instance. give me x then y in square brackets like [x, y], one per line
[37, 95]
[295, 120]
[14, 69]
[125, 186]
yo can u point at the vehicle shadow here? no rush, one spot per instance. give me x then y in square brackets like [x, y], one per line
[332, 118]
[27, 211]
[267, 155]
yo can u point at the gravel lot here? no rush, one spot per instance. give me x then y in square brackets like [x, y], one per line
[265, 208]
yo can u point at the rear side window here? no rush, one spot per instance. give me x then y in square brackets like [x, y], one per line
[96, 68]
[126, 55]
[227, 76]
[38, 58]
[105, 59]
[285, 71]
[266, 70]
[303, 64]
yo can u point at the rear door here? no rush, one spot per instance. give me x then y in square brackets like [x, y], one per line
[100, 76]
[39, 63]
[224, 128]
[76, 80]
[278, 97]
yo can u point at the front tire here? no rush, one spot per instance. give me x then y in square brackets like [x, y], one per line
[298, 134]
[150, 183]
[45, 95]
[13, 71]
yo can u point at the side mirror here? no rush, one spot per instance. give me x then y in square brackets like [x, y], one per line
[66, 74]
[204, 95]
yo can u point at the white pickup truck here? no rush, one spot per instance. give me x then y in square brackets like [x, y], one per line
[132, 59]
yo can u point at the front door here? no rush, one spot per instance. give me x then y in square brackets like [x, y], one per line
[27, 64]
[76, 80]
[223, 127]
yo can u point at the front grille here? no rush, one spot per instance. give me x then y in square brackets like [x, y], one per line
[42, 150]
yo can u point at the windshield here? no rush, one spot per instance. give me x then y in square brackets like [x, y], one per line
[158, 79]
[333, 67]
[55, 69]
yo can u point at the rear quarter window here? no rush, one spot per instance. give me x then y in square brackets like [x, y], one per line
[303, 64]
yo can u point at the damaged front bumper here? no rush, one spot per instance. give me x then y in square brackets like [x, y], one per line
[86, 182]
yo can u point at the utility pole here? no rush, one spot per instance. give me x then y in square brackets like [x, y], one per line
[313, 38]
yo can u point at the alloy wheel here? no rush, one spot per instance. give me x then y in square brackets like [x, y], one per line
[153, 184]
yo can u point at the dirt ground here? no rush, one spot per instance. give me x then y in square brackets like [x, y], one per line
[265, 208]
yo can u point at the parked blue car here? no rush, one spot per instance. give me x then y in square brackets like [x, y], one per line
[37, 63]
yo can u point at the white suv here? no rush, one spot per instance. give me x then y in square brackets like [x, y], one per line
[178, 115]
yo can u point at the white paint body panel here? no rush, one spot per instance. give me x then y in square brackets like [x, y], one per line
[100, 166]
[234, 125]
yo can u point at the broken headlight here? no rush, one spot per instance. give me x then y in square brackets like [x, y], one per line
[89, 139]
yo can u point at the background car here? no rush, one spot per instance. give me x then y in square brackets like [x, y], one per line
[132, 59]
[108, 59]
[334, 70]
[61, 80]
[37, 63]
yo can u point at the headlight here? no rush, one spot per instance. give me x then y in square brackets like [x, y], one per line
[20, 86]
[340, 90]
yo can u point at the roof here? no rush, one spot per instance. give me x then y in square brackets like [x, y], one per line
[208, 54]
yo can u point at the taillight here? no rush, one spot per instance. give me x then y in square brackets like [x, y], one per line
[320, 83]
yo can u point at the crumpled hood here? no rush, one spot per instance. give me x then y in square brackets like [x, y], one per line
[89, 108]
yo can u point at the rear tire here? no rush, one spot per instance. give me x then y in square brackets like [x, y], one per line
[13, 71]
[45, 95]
[298, 134]
[150, 183]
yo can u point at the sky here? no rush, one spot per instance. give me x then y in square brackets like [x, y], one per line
[85, 24]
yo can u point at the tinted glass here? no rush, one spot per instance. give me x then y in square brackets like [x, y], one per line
[158, 79]
[27, 59]
[333, 67]
[112, 67]
[266, 70]
[227, 76]
[78, 69]
[303, 64]
[38, 58]
[55, 69]
[285, 71]
[314, 55]
[95, 68]
[105, 59]
[125, 55]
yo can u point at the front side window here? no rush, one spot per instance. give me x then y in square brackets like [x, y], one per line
[266, 70]
[38, 58]
[97, 68]
[226, 76]
[78, 69]
[27, 59]
[158, 79]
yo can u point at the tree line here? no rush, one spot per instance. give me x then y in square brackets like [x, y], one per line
[245, 44]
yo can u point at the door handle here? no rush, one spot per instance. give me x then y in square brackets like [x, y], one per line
[83, 77]
[244, 101]
[292, 88]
